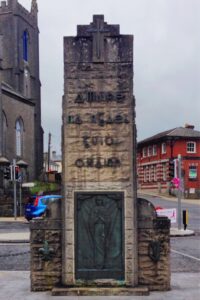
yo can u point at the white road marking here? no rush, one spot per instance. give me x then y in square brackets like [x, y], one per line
[186, 255]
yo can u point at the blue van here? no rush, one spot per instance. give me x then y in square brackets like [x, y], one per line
[38, 204]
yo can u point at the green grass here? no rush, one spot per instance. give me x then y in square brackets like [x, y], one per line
[43, 187]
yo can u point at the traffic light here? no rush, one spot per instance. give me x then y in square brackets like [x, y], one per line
[171, 168]
[16, 172]
[7, 173]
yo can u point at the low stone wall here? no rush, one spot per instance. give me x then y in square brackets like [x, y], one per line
[46, 251]
[6, 206]
[7, 202]
[153, 248]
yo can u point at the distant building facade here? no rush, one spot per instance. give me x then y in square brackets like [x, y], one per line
[53, 162]
[21, 134]
[155, 156]
[52, 170]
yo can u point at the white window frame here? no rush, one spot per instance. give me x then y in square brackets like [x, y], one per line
[155, 172]
[149, 152]
[164, 171]
[191, 147]
[149, 177]
[144, 152]
[154, 150]
[194, 168]
[145, 173]
[164, 148]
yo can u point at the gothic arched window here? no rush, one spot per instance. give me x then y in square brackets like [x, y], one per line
[25, 45]
[19, 136]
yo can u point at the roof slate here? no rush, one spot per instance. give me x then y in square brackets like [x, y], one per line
[175, 132]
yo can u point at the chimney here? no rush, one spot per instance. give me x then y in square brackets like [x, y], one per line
[189, 126]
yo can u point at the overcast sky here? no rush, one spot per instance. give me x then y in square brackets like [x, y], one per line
[166, 58]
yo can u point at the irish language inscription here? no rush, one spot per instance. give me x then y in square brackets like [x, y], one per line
[100, 119]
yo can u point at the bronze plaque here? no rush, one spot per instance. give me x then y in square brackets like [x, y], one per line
[99, 235]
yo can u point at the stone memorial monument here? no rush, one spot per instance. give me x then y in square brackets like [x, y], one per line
[112, 242]
[99, 156]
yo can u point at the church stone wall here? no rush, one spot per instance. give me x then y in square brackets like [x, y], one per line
[14, 20]
[26, 112]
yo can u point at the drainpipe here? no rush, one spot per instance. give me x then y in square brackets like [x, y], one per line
[1, 105]
[172, 148]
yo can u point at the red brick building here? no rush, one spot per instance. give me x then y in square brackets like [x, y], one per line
[154, 155]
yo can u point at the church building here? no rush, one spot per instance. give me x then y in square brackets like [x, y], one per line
[21, 134]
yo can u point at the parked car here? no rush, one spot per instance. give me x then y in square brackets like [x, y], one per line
[37, 205]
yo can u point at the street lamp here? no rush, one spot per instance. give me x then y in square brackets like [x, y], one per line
[4, 162]
[22, 164]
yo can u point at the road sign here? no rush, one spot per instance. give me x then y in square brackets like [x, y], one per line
[170, 213]
[20, 177]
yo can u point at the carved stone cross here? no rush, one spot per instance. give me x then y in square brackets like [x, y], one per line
[98, 31]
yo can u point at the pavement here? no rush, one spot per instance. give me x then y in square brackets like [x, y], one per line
[10, 236]
[166, 196]
[16, 285]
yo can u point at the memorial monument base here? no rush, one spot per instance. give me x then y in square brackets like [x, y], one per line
[100, 291]
[153, 267]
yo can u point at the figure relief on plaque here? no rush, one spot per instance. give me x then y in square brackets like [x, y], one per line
[99, 238]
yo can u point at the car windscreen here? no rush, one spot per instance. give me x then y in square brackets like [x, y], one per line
[48, 200]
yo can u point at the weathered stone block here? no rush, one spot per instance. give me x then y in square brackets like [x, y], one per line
[43, 281]
[97, 71]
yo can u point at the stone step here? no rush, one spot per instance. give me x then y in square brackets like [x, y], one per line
[100, 291]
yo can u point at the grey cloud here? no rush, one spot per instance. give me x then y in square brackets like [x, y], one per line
[166, 57]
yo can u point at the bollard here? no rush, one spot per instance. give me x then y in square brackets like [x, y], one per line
[185, 218]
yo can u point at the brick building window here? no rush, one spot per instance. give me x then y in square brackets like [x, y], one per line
[144, 152]
[149, 150]
[154, 173]
[163, 148]
[191, 147]
[154, 150]
[193, 172]
[164, 173]
[149, 178]
[146, 172]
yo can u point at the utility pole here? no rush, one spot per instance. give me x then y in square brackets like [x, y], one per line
[49, 152]
[14, 188]
[1, 108]
[179, 191]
